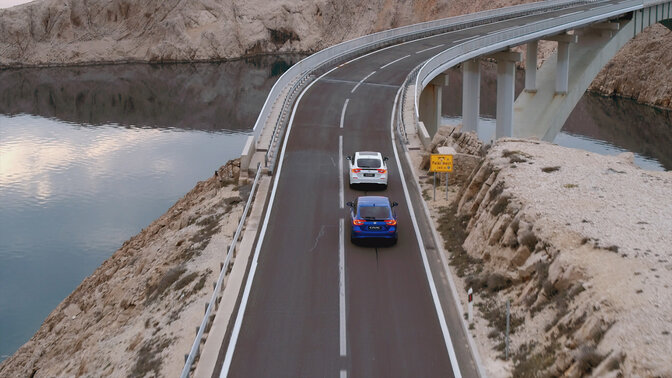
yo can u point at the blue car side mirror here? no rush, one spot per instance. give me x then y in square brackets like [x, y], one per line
[394, 204]
[350, 204]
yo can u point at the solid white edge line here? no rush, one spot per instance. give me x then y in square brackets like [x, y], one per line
[248, 285]
[423, 253]
[453, 287]
[341, 287]
[345, 106]
[341, 193]
[361, 81]
[394, 61]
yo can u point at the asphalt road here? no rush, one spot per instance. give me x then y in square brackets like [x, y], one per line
[319, 306]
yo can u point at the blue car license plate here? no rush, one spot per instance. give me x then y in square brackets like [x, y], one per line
[374, 227]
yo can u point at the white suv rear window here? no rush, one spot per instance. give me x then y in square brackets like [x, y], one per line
[368, 163]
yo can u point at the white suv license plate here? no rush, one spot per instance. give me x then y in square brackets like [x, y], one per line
[369, 175]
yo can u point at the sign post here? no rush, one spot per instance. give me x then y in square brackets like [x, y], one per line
[470, 307]
[441, 163]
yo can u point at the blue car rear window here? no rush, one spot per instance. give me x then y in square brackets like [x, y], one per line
[374, 212]
[368, 163]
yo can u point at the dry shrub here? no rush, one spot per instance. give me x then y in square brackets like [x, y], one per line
[550, 169]
[588, 359]
[170, 277]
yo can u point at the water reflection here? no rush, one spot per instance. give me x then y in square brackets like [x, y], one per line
[74, 185]
[200, 96]
[630, 126]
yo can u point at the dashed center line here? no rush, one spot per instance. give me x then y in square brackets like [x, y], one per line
[360, 83]
[340, 171]
[429, 48]
[345, 106]
[394, 61]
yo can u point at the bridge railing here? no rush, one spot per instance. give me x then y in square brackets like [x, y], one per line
[297, 76]
[514, 37]
[193, 352]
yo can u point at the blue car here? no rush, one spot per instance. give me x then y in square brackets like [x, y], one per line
[372, 217]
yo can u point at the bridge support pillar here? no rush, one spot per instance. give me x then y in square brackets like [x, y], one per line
[506, 75]
[562, 65]
[430, 103]
[471, 94]
[562, 75]
[531, 67]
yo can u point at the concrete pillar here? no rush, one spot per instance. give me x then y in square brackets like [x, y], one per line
[506, 75]
[562, 67]
[531, 67]
[430, 103]
[562, 74]
[471, 94]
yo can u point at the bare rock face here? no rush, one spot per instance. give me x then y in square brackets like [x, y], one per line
[642, 70]
[66, 32]
[576, 242]
[54, 32]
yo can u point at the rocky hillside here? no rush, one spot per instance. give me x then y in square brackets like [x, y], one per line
[579, 243]
[137, 312]
[64, 32]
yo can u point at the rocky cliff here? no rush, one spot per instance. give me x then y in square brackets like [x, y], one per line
[65, 32]
[578, 243]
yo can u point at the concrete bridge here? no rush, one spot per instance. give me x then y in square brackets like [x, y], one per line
[587, 39]
[300, 299]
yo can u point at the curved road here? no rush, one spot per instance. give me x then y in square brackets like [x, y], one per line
[316, 305]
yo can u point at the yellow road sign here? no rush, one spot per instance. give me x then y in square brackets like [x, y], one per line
[441, 163]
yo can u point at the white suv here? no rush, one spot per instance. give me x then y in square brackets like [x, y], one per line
[368, 167]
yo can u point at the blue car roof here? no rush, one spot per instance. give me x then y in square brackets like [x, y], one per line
[373, 201]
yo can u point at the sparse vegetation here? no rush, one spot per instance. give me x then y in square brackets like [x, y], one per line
[587, 359]
[500, 205]
[453, 231]
[528, 364]
[148, 357]
[516, 156]
[550, 169]
[156, 290]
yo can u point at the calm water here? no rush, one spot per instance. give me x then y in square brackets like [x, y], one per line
[91, 155]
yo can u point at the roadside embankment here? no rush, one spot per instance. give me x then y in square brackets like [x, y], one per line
[578, 243]
[137, 314]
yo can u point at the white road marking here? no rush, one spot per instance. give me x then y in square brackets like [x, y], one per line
[340, 171]
[394, 61]
[423, 253]
[344, 374]
[345, 106]
[429, 48]
[253, 268]
[360, 83]
[341, 287]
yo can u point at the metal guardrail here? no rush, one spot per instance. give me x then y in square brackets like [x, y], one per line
[340, 52]
[225, 267]
[513, 37]
[401, 124]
